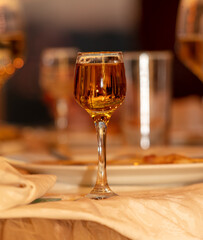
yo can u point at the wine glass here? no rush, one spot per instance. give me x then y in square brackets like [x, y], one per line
[56, 81]
[189, 48]
[100, 88]
[189, 35]
[12, 46]
[12, 38]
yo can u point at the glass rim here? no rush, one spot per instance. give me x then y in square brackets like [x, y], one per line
[128, 55]
[86, 57]
[101, 53]
[60, 49]
[59, 53]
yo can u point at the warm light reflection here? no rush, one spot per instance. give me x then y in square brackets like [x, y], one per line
[11, 4]
[10, 69]
[144, 101]
[18, 62]
[188, 2]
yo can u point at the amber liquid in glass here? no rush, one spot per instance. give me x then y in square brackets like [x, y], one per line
[190, 52]
[100, 88]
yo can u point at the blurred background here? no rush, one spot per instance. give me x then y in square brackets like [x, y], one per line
[130, 25]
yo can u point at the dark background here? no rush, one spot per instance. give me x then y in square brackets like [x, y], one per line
[154, 30]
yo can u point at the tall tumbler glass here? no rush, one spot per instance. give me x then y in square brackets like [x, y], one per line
[146, 114]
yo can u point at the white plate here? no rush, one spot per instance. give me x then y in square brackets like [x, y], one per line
[165, 174]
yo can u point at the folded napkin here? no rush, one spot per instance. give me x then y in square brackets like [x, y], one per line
[19, 189]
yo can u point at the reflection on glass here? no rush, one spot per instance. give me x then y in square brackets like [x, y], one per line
[144, 101]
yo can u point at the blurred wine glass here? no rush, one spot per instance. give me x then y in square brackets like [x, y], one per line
[189, 35]
[189, 48]
[12, 46]
[12, 38]
[56, 81]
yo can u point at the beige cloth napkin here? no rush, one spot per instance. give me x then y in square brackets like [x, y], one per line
[165, 214]
[19, 189]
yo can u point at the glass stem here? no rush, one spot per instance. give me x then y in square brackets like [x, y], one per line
[61, 121]
[101, 189]
[61, 114]
[101, 129]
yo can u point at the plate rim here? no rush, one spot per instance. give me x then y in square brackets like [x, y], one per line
[21, 163]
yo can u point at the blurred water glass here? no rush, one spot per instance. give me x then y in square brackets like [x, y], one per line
[146, 111]
[56, 80]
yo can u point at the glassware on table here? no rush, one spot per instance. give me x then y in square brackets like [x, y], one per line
[100, 88]
[12, 38]
[189, 35]
[56, 81]
[146, 114]
[189, 49]
[12, 48]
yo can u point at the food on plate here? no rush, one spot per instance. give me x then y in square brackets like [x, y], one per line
[129, 160]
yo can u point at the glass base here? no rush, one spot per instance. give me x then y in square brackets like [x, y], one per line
[99, 193]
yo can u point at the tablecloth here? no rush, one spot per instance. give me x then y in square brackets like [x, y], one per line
[171, 213]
